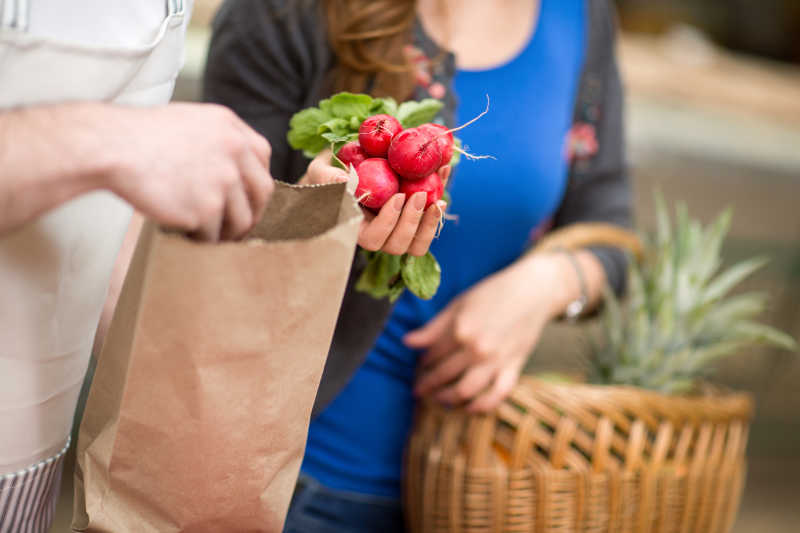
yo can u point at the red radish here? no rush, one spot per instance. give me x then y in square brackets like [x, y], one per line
[376, 134]
[414, 154]
[432, 185]
[352, 154]
[445, 139]
[377, 182]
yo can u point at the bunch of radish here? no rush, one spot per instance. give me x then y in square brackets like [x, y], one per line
[389, 159]
[392, 148]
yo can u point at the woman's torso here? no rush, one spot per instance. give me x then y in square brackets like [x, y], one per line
[356, 444]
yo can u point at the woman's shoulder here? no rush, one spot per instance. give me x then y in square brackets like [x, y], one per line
[254, 16]
[281, 41]
[602, 23]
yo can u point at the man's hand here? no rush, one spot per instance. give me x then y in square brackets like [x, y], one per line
[190, 166]
[193, 167]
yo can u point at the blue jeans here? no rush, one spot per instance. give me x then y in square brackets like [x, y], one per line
[318, 509]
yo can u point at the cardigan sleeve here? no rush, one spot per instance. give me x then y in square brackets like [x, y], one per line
[598, 189]
[267, 60]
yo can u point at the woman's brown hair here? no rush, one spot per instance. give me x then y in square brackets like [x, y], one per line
[369, 38]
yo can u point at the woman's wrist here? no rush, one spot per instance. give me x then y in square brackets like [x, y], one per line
[552, 280]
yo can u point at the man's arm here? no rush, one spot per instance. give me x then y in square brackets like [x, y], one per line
[48, 155]
[189, 166]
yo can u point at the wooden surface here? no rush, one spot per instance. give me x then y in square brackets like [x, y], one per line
[691, 71]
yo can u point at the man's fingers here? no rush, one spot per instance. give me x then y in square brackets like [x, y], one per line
[238, 214]
[209, 230]
[258, 184]
[254, 170]
[257, 142]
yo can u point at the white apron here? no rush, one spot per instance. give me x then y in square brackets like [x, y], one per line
[54, 272]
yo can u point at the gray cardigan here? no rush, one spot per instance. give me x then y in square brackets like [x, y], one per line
[270, 58]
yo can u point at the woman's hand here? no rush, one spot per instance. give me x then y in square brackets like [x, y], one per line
[476, 348]
[401, 226]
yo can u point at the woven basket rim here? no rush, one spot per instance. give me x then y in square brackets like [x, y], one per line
[723, 404]
[735, 404]
[714, 391]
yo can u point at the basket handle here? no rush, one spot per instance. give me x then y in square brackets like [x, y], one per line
[581, 235]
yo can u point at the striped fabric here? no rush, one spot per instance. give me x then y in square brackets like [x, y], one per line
[28, 497]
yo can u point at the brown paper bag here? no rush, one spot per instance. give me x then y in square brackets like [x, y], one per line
[199, 410]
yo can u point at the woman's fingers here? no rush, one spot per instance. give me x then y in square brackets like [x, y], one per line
[441, 348]
[375, 234]
[407, 226]
[471, 384]
[400, 226]
[427, 229]
[499, 391]
[320, 171]
[445, 372]
[429, 334]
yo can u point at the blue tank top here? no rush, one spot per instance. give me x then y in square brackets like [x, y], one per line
[357, 443]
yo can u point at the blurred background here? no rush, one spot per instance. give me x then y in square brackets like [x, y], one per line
[713, 115]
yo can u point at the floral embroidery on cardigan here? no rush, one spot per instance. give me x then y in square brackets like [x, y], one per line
[581, 142]
[540, 230]
[423, 75]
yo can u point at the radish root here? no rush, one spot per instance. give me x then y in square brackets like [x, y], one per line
[466, 154]
[442, 217]
[471, 121]
[470, 156]
[440, 223]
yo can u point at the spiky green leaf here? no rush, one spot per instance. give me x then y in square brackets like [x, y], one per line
[755, 332]
[679, 318]
[726, 281]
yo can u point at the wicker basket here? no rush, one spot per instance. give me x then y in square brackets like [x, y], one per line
[580, 458]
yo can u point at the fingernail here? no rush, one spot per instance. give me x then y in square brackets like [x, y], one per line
[442, 204]
[419, 200]
[399, 201]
